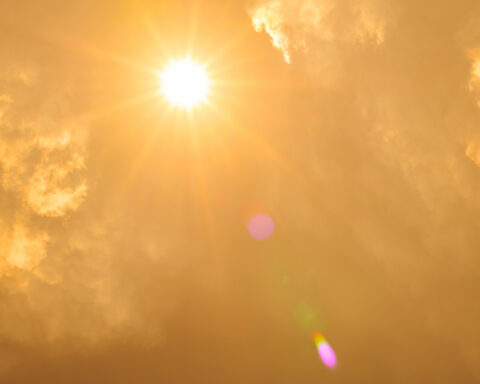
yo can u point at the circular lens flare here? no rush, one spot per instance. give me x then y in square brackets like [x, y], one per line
[261, 227]
[184, 83]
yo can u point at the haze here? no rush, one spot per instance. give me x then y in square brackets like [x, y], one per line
[329, 185]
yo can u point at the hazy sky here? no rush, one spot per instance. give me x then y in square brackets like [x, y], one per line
[124, 250]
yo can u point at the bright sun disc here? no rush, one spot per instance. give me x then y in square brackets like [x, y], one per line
[184, 83]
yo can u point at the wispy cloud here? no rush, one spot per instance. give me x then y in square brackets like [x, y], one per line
[40, 155]
[292, 25]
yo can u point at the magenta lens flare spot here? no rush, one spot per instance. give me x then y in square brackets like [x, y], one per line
[325, 351]
[261, 227]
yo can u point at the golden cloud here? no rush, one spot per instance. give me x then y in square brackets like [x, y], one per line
[21, 249]
[291, 25]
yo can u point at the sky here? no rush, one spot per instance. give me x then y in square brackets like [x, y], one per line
[126, 250]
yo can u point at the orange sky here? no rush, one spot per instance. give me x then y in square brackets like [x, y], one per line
[124, 250]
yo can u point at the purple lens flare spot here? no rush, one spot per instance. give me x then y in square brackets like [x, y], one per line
[327, 355]
[261, 227]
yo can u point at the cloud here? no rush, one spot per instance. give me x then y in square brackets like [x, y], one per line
[473, 151]
[292, 25]
[21, 250]
[44, 195]
[39, 155]
[40, 183]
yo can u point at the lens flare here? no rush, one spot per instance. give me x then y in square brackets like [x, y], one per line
[325, 351]
[261, 227]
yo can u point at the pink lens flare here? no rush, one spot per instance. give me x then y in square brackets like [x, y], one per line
[261, 227]
[325, 351]
[327, 355]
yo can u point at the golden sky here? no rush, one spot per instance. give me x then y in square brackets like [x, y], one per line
[126, 248]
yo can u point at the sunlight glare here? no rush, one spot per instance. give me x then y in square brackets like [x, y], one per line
[184, 83]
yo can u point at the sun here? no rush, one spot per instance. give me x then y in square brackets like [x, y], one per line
[184, 83]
